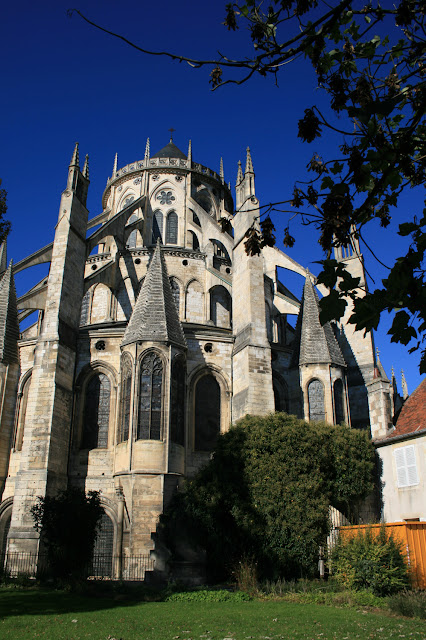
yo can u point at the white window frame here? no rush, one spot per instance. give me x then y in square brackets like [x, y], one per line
[406, 466]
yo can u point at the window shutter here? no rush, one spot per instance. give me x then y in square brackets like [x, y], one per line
[406, 469]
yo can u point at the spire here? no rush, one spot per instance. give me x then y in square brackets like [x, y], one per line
[9, 325]
[404, 385]
[380, 368]
[222, 175]
[239, 174]
[3, 257]
[155, 317]
[249, 163]
[75, 160]
[86, 167]
[314, 343]
[189, 153]
[114, 168]
[147, 150]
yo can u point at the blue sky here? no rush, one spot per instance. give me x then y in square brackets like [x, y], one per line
[63, 81]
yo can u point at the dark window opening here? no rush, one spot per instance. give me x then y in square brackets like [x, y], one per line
[96, 413]
[157, 227]
[338, 402]
[207, 413]
[126, 390]
[172, 228]
[177, 427]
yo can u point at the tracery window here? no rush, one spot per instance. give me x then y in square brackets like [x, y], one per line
[103, 548]
[126, 391]
[132, 239]
[207, 413]
[96, 413]
[177, 433]
[338, 401]
[157, 226]
[316, 400]
[150, 398]
[175, 292]
[172, 228]
[85, 309]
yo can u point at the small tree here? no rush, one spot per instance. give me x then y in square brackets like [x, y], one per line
[67, 524]
[265, 495]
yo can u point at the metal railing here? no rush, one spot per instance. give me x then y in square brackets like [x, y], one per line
[102, 566]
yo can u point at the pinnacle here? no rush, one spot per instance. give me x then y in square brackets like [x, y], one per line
[114, 168]
[147, 150]
[86, 167]
[75, 160]
[239, 174]
[249, 163]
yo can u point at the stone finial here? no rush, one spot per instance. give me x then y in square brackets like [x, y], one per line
[404, 385]
[190, 152]
[86, 167]
[239, 174]
[249, 163]
[222, 175]
[114, 168]
[75, 160]
[147, 150]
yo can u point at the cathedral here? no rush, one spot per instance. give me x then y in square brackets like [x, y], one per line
[155, 332]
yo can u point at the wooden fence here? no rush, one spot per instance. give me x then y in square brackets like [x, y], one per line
[411, 535]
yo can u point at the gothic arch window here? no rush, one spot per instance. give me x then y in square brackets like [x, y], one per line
[85, 308]
[194, 302]
[193, 241]
[268, 320]
[177, 419]
[101, 301]
[174, 285]
[220, 250]
[133, 237]
[204, 199]
[150, 398]
[157, 226]
[126, 394]
[4, 532]
[316, 400]
[338, 401]
[207, 412]
[96, 412]
[103, 549]
[172, 228]
[220, 306]
[22, 412]
[124, 306]
[280, 394]
[125, 203]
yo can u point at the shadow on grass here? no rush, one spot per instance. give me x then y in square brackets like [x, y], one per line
[44, 601]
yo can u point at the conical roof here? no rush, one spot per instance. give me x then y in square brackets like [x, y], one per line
[9, 325]
[155, 317]
[314, 344]
[170, 151]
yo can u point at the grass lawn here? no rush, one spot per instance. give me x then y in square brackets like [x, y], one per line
[56, 615]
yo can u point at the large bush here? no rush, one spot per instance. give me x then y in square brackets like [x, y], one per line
[371, 561]
[265, 495]
[67, 524]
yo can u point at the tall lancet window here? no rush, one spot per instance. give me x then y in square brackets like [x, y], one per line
[96, 413]
[132, 239]
[157, 226]
[126, 391]
[207, 413]
[316, 400]
[338, 402]
[178, 402]
[172, 228]
[150, 398]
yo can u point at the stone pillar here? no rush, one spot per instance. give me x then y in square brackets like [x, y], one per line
[44, 457]
[379, 404]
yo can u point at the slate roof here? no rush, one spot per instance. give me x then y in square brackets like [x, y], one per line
[155, 317]
[412, 417]
[314, 344]
[9, 325]
[170, 151]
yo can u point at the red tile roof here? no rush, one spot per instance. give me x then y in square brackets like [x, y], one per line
[413, 413]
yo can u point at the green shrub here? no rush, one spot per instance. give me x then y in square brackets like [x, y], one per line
[409, 603]
[369, 561]
[206, 595]
[245, 574]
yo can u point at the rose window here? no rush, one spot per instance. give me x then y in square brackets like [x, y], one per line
[166, 197]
